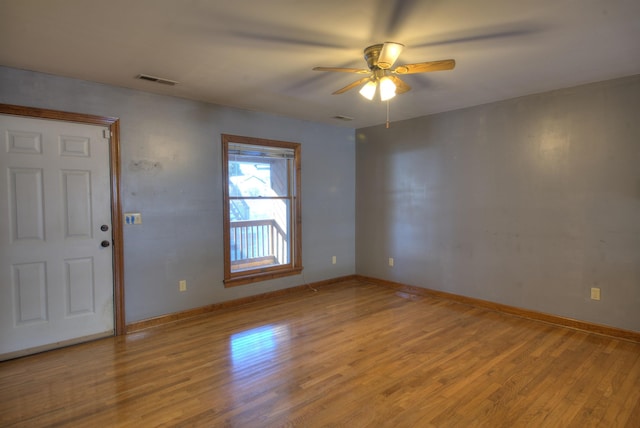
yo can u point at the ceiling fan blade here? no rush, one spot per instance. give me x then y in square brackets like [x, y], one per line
[351, 85]
[343, 69]
[401, 87]
[512, 30]
[391, 16]
[389, 54]
[423, 67]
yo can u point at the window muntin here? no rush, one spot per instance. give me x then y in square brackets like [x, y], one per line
[262, 220]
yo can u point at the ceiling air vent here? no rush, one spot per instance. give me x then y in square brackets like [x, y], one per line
[160, 80]
[341, 117]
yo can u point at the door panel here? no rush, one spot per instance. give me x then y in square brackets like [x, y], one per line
[76, 199]
[30, 288]
[79, 273]
[56, 278]
[25, 204]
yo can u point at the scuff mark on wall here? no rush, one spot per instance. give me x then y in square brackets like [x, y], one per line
[144, 165]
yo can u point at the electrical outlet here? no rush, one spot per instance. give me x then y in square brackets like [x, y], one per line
[183, 285]
[333, 260]
[391, 261]
[595, 293]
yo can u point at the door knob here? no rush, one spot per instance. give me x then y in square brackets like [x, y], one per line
[104, 228]
[105, 244]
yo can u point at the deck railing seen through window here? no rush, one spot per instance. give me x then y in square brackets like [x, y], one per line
[257, 243]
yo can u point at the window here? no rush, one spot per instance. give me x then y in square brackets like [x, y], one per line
[262, 218]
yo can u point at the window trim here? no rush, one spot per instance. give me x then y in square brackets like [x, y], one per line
[294, 267]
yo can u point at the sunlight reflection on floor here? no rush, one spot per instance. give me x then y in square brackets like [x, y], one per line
[258, 345]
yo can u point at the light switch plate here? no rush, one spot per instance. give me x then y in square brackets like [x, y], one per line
[132, 218]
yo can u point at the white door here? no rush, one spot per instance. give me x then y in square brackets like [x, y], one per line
[56, 271]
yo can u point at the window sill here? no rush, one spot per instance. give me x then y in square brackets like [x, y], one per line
[261, 276]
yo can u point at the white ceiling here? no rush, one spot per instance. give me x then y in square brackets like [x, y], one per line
[258, 54]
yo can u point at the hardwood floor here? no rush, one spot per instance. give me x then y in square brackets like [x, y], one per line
[353, 354]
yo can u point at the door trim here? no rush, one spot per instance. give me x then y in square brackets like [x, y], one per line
[116, 205]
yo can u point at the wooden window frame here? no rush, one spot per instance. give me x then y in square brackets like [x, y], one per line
[294, 267]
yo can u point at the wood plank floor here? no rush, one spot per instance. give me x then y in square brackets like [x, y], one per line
[352, 355]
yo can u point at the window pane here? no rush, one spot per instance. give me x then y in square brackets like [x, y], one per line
[259, 233]
[253, 177]
[262, 221]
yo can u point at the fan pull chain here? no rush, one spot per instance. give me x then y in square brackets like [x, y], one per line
[388, 115]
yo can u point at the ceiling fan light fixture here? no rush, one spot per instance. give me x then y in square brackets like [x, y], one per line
[369, 90]
[387, 88]
[380, 58]
[389, 54]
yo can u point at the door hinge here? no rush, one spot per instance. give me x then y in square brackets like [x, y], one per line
[106, 133]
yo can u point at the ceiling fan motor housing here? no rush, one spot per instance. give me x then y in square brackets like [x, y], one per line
[371, 55]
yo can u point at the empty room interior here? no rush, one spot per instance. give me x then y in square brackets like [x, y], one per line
[299, 213]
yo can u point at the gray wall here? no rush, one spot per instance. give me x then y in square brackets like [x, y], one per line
[528, 202]
[171, 173]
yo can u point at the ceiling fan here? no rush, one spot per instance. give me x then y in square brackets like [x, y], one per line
[380, 58]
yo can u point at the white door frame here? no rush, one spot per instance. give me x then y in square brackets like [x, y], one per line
[113, 124]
